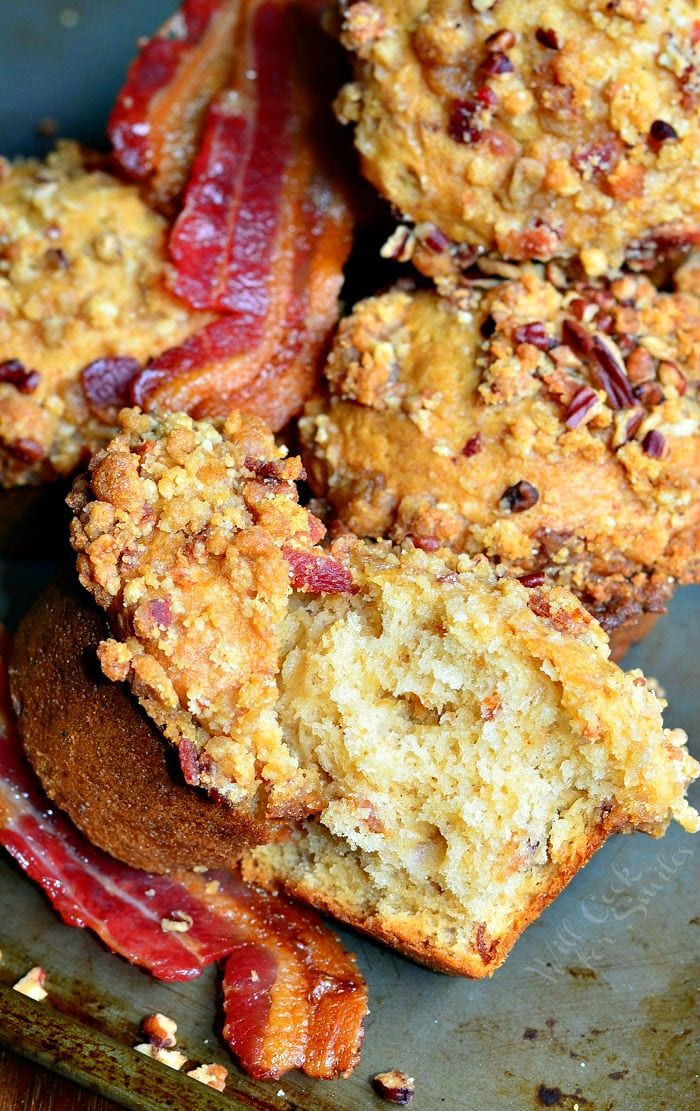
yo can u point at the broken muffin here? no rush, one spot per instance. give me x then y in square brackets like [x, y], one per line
[446, 744]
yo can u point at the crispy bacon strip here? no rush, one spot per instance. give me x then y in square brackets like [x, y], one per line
[265, 229]
[293, 997]
[157, 116]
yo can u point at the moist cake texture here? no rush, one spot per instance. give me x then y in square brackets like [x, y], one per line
[478, 746]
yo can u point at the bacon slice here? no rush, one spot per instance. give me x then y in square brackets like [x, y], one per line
[293, 998]
[265, 229]
[157, 116]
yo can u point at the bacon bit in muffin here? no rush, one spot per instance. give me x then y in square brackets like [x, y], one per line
[502, 40]
[426, 543]
[435, 240]
[495, 64]
[489, 707]
[16, 374]
[189, 762]
[465, 124]
[317, 574]
[654, 444]
[27, 450]
[519, 497]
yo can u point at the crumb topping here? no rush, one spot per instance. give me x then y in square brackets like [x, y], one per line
[82, 267]
[534, 131]
[553, 428]
[182, 530]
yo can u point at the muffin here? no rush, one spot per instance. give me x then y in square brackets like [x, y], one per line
[531, 131]
[98, 756]
[554, 429]
[83, 303]
[477, 747]
[445, 744]
[190, 536]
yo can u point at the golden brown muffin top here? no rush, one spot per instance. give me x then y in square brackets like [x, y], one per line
[82, 268]
[550, 428]
[532, 130]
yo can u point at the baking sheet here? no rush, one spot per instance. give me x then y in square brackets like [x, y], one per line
[596, 1007]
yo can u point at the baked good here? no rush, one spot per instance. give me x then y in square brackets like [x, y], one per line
[554, 429]
[477, 748]
[186, 534]
[446, 744]
[82, 265]
[529, 130]
[98, 756]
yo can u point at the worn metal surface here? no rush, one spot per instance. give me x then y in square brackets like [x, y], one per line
[594, 1009]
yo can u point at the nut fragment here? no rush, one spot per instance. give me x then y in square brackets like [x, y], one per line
[32, 984]
[394, 1086]
[516, 499]
[214, 1076]
[179, 922]
[160, 1030]
[170, 1057]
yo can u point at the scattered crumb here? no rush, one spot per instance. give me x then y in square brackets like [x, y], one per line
[32, 984]
[160, 1030]
[394, 1086]
[212, 888]
[214, 1076]
[177, 923]
[170, 1057]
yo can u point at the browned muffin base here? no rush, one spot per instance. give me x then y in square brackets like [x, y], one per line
[98, 757]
